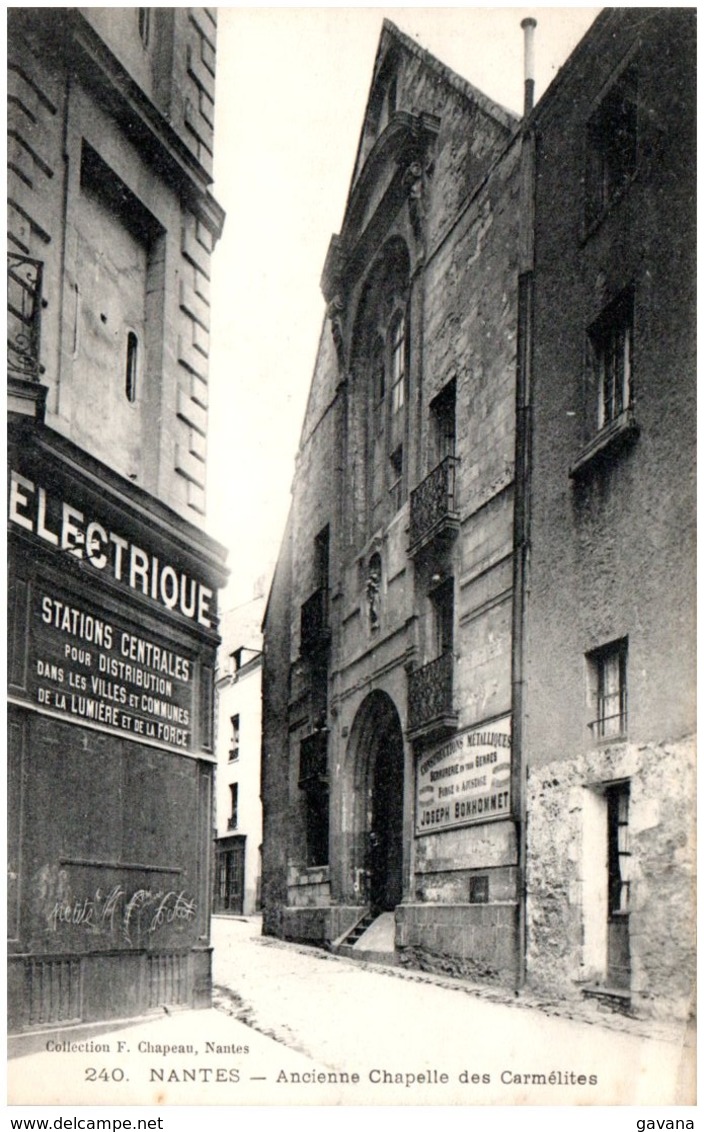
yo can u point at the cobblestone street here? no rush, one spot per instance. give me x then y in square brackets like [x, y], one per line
[392, 1025]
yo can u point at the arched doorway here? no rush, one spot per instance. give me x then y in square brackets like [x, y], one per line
[377, 781]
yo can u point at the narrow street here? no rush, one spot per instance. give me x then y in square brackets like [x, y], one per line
[420, 1039]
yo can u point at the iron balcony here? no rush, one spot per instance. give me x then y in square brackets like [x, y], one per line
[434, 514]
[430, 702]
[24, 306]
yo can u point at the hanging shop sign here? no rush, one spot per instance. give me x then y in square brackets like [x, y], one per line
[95, 670]
[465, 780]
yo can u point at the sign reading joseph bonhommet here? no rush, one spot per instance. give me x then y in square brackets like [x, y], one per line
[466, 779]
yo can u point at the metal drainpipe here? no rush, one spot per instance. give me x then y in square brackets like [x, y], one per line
[521, 516]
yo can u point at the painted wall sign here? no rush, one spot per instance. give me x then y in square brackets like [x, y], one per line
[59, 524]
[465, 780]
[97, 670]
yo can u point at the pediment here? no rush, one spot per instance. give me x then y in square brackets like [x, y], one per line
[405, 143]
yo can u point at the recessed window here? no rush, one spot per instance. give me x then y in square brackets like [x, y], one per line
[391, 97]
[442, 420]
[144, 22]
[378, 372]
[398, 363]
[232, 821]
[313, 780]
[611, 348]
[131, 364]
[608, 693]
[234, 752]
[612, 145]
[443, 602]
[396, 477]
[479, 890]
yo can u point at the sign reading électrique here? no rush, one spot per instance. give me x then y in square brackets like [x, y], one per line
[465, 780]
[63, 526]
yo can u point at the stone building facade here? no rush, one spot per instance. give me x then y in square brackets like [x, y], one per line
[609, 616]
[478, 645]
[112, 613]
[238, 744]
[388, 633]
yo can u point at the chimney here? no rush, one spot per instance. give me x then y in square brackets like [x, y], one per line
[529, 25]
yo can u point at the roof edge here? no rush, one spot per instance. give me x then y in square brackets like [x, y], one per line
[501, 114]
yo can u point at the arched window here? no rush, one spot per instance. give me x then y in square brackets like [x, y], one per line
[380, 363]
[387, 416]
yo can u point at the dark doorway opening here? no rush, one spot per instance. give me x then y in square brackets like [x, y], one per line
[386, 827]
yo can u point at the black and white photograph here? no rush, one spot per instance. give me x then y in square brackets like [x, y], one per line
[351, 564]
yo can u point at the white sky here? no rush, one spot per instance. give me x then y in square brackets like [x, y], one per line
[292, 85]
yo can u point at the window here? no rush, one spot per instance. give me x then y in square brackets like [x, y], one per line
[144, 22]
[479, 890]
[443, 603]
[442, 420]
[617, 801]
[396, 477]
[321, 558]
[608, 690]
[612, 145]
[381, 356]
[313, 781]
[131, 367]
[611, 348]
[378, 372]
[317, 824]
[234, 803]
[398, 363]
[234, 752]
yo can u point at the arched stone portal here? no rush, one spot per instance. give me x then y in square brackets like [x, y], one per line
[374, 788]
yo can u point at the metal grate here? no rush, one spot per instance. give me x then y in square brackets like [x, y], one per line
[24, 303]
[430, 692]
[167, 979]
[433, 500]
[53, 990]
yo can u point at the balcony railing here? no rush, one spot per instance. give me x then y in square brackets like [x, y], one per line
[314, 758]
[434, 506]
[24, 305]
[430, 706]
[315, 631]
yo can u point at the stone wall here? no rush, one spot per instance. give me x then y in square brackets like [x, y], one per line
[472, 941]
[560, 865]
[60, 132]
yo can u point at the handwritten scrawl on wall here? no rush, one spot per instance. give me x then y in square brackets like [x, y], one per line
[116, 913]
